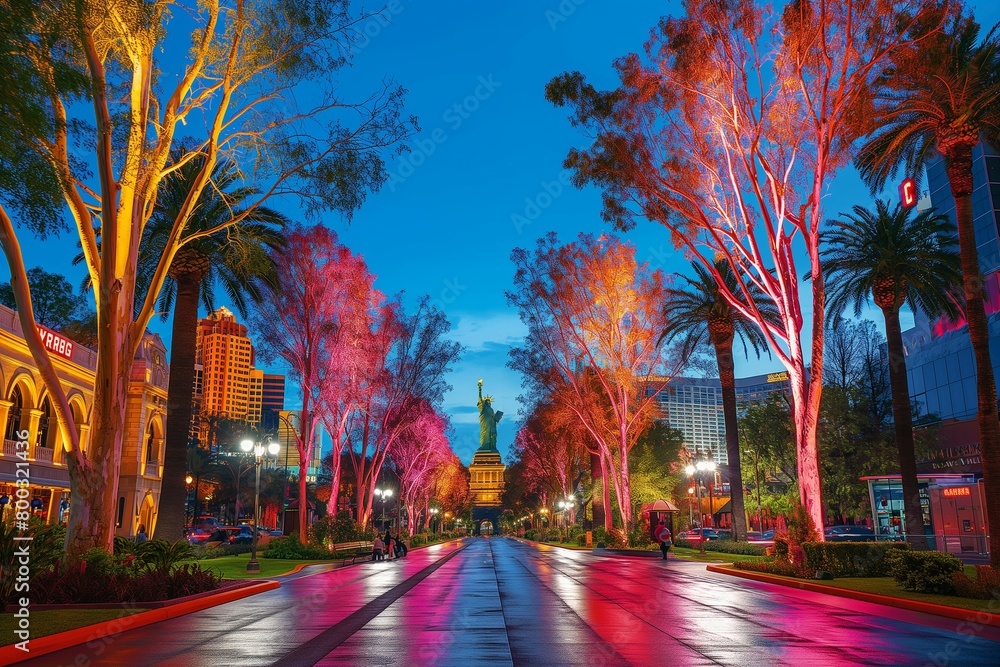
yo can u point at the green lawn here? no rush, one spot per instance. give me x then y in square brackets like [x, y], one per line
[235, 567]
[710, 556]
[886, 586]
[50, 622]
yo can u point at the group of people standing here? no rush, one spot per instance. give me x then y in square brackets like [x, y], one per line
[387, 547]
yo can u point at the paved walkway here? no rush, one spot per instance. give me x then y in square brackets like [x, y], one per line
[503, 602]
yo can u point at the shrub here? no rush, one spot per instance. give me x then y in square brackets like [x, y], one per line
[600, 534]
[290, 548]
[731, 547]
[581, 540]
[530, 535]
[923, 571]
[781, 567]
[81, 583]
[337, 530]
[46, 550]
[985, 586]
[683, 543]
[850, 559]
[416, 541]
[639, 538]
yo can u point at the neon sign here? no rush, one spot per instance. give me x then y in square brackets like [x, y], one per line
[956, 492]
[908, 193]
[53, 342]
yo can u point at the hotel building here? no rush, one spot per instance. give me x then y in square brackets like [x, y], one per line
[25, 406]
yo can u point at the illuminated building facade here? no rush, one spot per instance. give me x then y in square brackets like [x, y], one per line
[26, 407]
[693, 406]
[229, 383]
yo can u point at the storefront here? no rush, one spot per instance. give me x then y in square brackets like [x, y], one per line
[952, 505]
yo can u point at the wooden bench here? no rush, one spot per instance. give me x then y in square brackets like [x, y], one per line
[359, 549]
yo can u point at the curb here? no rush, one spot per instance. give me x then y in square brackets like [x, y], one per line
[88, 633]
[957, 613]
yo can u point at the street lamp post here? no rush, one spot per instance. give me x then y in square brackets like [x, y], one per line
[259, 450]
[434, 512]
[690, 506]
[187, 505]
[384, 495]
[698, 471]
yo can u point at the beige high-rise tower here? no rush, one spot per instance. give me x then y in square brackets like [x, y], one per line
[228, 384]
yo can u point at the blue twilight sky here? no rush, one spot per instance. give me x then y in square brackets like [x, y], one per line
[490, 148]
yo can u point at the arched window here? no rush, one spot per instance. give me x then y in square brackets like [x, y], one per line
[149, 444]
[14, 414]
[42, 439]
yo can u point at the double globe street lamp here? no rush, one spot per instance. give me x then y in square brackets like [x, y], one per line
[699, 471]
[259, 450]
[384, 495]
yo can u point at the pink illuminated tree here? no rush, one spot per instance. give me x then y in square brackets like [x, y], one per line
[309, 322]
[728, 132]
[406, 359]
[418, 453]
[594, 316]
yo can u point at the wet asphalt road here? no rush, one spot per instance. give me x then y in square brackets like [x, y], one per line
[502, 602]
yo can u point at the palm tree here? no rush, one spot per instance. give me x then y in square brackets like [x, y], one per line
[237, 258]
[942, 98]
[701, 314]
[894, 259]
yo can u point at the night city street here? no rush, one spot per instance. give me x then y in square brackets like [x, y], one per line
[498, 601]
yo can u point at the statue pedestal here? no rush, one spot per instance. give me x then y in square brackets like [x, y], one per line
[486, 484]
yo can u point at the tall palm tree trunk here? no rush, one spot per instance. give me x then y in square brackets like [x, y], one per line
[180, 393]
[727, 377]
[902, 418]
[960, 177]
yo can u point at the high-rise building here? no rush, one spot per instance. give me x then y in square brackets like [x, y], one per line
[272, 401]
[940, 366]
[693, 406]
[227, 384]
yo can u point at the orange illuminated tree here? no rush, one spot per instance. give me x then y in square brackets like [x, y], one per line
[727, 132]
[96, 101]
[594, 316]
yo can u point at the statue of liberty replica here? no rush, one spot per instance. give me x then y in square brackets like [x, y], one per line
[487, 422]
[486, 471]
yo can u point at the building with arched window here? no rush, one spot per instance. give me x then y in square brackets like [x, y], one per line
[25, 409]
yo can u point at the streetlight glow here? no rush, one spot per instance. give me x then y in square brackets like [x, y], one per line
[259, 450]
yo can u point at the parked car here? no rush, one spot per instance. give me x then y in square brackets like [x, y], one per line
[199, 536]
[239, 534]
[849, 534]
[765, 538]
[695, 535]
[207, 523]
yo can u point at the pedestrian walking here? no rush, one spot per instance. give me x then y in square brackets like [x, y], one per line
[377, 547]
[140, 535]
[390, 545]
[662, 535]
